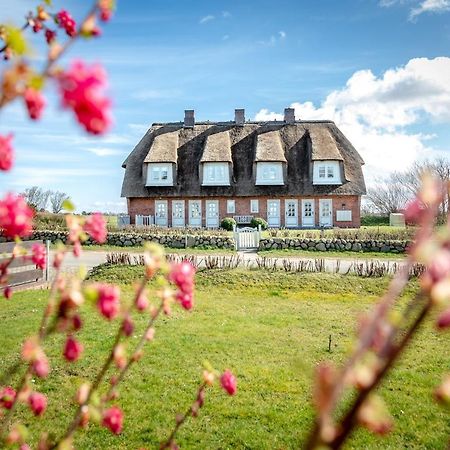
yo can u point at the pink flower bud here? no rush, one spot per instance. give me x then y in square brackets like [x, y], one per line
[208, 377]
[150, 334]
[7, 292]
[108, 301]
[77, 249]
[120, 356]
[65, 21]
[72, 349]
[127, 326]
[83, 393]
[41, 367]
[113, 419]
[7, 397]
[374, 415]
[6, 152]
[38, 403]
[142, 302]
[442, 393]
[229, 382]
[15, 216]
[38, 255]
[35, 103]
[95, 226]
[444, 319]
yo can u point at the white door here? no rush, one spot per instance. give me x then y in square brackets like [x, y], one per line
[178, 213]
[195, 213]
[308, 213]
[212, 213]
[291, 213]
[273, 213]
[325, 212]
[161, 213]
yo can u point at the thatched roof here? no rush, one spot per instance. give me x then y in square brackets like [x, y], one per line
[217, 148]
[269, 147]
[298, 144]
[164, 148]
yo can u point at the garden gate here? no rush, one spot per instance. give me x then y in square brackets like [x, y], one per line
[247, 238]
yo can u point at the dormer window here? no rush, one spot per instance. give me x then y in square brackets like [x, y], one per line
[216, 174]
[269, 173]
[326, 172]
[159, 174]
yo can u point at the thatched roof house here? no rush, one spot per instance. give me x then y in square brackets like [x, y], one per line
[241, 168]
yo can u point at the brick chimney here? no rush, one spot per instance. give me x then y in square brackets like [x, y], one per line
[189, 118]
[239, 117]
[289, 116]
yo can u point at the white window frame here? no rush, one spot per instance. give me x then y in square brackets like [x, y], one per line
[231, 206]
[254, 206]
[326, 172]
[216, 174]
[269, 173]
[159, 168]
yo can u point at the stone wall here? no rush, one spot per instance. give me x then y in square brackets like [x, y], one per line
[339, 245]
[123, 239]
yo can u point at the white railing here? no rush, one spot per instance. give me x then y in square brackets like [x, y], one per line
[247, 238]
[144, 221]
[242, 219]
[123, 221]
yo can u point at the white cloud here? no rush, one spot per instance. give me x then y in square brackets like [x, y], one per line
[274, 39]
[375, 112]
[226, 14]
[430, 6]
[282, 34]
[104, 151]
[206, 19]
[225, 37]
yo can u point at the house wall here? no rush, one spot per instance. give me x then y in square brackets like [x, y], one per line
[146, 206]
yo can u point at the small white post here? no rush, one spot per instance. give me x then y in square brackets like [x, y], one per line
[47, 260]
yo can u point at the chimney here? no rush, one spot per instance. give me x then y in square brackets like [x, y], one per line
[239, 117]
[289, 116]
[189, 119]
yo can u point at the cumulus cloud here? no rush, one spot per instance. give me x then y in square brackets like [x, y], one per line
[376, 113]
[430, 6]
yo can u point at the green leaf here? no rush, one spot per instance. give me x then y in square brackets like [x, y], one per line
[36, 82]
[68, 205]
[16, 41]
[48, 2]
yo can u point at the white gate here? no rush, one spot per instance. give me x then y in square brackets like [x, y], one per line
[144, 221]
[247, 238]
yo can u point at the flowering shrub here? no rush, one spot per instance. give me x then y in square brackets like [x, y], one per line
[81, 88]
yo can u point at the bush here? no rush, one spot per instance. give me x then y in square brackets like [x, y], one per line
[373, 220]
[259, 221]
[228, 223]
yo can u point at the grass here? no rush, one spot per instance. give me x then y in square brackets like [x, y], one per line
[270, 329]
[285, 253]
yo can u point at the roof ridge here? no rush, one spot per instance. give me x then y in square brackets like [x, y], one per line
[247, 122]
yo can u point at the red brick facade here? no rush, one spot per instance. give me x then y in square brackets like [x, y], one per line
[146, 206]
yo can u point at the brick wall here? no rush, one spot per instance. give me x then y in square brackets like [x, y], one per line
[146, 206]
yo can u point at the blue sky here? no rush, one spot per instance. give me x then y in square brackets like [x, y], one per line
[380, 69]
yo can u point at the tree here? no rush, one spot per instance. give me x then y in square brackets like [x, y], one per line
[388, 195]
[57, 199]
[37, 197]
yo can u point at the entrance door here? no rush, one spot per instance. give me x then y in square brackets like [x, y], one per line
[195, 213]
[212, 213]
[273, 213]
[308, 213]
[291, 213]
[161, 213]
[325, 212]
[178, 213]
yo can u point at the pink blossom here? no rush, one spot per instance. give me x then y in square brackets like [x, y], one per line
[108, 302]
[38, 403]
[127, 326]
[38, 255]
[50, 35]
[7, 292]
[142, 302]
[229, 382]
[182, 274]
[72, 349]
[95, 226]
[106, 9]
[77, 322]
[7, 397]
[40, 366]
[6, 152]
[414, 211]
[65, 21]
[444, 319]
[15, 216]
[113, 419]
[186, 300]
[35, 102]
[80, 88]
[77, 249]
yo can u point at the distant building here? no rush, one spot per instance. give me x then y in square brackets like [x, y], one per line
[292, 173]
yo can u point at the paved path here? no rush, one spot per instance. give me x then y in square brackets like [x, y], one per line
[90, 259]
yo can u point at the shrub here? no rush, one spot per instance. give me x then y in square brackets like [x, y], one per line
[228, 223]
[259, 221]
[373, 220]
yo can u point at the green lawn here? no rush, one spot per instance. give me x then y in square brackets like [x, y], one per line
[285, 253]
[270, 329]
